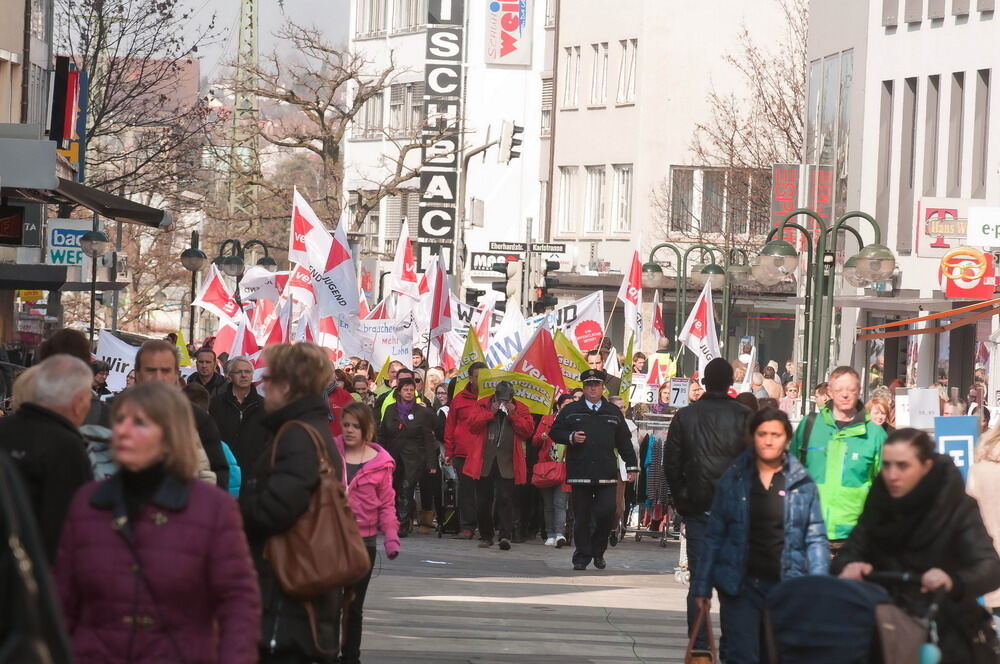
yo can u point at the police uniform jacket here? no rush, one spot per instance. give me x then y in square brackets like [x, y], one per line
[594, 461]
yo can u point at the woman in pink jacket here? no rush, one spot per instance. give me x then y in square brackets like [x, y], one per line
[369, 471]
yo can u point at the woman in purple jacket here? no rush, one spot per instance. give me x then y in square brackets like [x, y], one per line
[153, 565]
[369, 471]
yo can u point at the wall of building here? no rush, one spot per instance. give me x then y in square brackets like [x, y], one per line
[11, 59]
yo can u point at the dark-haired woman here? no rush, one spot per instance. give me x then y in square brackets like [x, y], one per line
[765, 526]
[554, 498]
[918, 518]
[407, 433]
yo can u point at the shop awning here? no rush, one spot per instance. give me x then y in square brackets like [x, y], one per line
[14, 276]
[958, 317]
[107, 205]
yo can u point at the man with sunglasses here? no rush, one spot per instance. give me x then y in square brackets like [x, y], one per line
[238, 411]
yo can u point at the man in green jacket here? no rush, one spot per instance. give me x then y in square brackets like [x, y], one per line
[842, 450]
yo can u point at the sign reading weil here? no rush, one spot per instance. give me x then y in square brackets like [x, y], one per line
[62, 241]
[508, 33]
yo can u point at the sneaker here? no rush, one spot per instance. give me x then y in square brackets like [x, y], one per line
[465, 534]
[613, 538]
[504, 544]
[485, 544]
[550, 541]
[579, 567]
[560, 542]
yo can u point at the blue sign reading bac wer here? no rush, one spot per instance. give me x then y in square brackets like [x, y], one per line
[64, 237]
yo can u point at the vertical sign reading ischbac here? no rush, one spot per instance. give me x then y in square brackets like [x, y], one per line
[441, 136]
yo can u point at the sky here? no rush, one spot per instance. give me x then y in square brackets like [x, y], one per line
[328, 15]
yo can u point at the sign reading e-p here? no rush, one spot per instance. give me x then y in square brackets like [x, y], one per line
[984, 227]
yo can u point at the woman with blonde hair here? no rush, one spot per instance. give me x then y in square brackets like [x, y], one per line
[984, 486]
[284, 479]
[881, 413]
[192, 594]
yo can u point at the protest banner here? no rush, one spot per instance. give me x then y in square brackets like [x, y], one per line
[535, 393]
[470, 353]
[120, 357]
[571, 361]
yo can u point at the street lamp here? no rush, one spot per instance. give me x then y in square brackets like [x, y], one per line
[779, 258]
[193, 259]
[714, 275]
[94, 244]
[874, 262]
[234, 264]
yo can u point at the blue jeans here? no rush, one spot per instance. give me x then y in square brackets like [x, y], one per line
[695, 528]
[742, 619]
[554, 501]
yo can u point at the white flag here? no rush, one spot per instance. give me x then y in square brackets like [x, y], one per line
[699, 333]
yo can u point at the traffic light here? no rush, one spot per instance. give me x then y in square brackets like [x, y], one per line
[513, 286]
[541, 283]
[472, 296]
[510, 143]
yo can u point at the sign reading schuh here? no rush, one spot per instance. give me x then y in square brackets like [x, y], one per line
[441, 135]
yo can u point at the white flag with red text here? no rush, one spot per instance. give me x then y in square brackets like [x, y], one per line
[306, 231]
[333, 275]
[630, 293]
[404, 266]
[440, 299]
[216, 297]
[658, 325]
[699, 333]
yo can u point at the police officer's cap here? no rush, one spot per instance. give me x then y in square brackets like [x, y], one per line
[593, 376]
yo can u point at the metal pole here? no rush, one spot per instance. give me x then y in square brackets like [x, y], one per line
[526, 293]
[194, 276]
[684, 272]
[114, 276]
[93, 287]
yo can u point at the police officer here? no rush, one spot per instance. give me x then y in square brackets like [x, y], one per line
[593, 430]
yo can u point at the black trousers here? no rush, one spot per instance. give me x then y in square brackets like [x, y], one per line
[593, 516]
[467, 504]
[490, 488]
[350, 652]
[430, 491]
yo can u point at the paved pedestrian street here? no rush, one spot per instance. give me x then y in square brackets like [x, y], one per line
[445, 600]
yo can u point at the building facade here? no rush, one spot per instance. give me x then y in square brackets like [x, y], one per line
[902, 106]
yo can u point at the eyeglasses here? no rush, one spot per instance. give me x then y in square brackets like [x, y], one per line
[241, 372]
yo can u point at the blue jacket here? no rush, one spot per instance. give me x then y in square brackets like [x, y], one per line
[723, 559]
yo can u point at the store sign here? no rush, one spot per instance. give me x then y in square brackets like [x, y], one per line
[62, 241]
[967, 273]
[508, 32]
[11, 225]
[983, 227]
[942, 225]
[957, 437]
[785, 195]
[442, 113]
[31, 295]
[481, 262]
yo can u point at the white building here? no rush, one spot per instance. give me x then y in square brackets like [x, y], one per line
[904, 91]
[504, 197]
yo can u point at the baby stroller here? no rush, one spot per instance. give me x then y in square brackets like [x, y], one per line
[447, 516]
[855, 623]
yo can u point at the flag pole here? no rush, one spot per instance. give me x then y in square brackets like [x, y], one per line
[607, 323]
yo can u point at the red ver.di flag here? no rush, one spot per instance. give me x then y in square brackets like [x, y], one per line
[306, 230]
[630, 293]
[334, 277]
[215, 297]
[699, 333]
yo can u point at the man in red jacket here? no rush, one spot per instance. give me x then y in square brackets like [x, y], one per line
[458, 439]
[498, 462]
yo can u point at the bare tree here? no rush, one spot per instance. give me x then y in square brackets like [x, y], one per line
[308, 106]
[145, 119]
[735, 147]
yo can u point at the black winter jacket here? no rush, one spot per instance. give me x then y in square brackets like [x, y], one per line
[946, 531]
[51, 455]
[704, 439]
[413, 438]
[217, 384]
[593, 461]
[208, 433]
[272, 502]
[241, 426]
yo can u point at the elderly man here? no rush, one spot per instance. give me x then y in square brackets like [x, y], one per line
[43, 439]
[593, 429]
[239, 413]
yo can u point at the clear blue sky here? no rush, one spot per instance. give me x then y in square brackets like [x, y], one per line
[328, 15]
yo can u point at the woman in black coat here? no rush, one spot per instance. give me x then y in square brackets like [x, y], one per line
[407, 432]
[918, 518]
[275, 497]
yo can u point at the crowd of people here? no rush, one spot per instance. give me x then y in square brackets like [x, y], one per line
[150, 520]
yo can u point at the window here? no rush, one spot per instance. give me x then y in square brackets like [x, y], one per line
[931, 120]
[571, 84]
[981, 134]
[408, 15]
[621, 199]
[404, 205]
[368, 123]
[550, 13]
[593, 212]
[681, 199]
[567, 178]
[890, 10]
[913, 11]
[884, 155]
[406, 107]
[627, 70]
[370, 18]
[737, 201]
[907, 166]
[599, 74]
[956, 130]
[712, 201]
[546, 107]
[760, 202]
